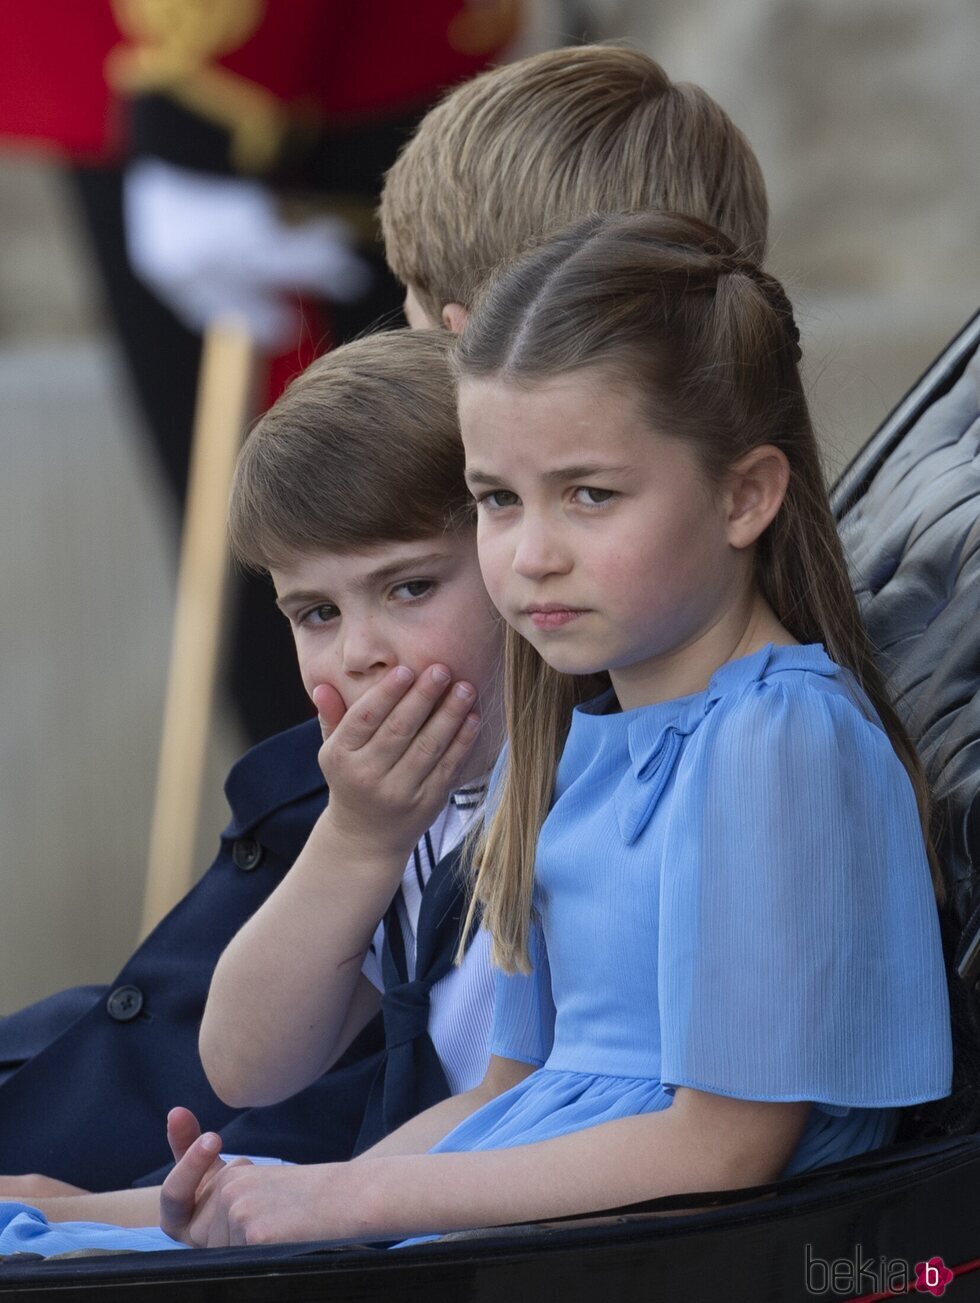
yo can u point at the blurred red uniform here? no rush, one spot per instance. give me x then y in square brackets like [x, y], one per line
[312, 98]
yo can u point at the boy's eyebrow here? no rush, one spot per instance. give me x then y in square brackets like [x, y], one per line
[380, 575]
[298, 597]
[579, 471]
[398, 567]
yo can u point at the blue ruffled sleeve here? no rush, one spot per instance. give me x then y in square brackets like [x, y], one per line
[800, 955]
[524, 1011]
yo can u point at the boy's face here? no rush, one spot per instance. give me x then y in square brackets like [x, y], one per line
[356, 615]
[415, 314]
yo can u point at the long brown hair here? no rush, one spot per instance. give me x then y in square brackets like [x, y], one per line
[668, 306]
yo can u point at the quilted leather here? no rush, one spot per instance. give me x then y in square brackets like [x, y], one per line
[909, 516]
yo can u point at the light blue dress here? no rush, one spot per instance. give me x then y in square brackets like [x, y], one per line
[733, 896]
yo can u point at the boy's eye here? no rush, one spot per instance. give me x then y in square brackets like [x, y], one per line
[412, 589]
[590, 497]
[321, 614]
[498, 500]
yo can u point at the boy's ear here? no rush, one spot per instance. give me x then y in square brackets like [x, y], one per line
[454, 318]
[756, 486]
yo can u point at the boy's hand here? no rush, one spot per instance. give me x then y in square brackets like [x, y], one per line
[183, 1129]
[247, 1204]
[330, 708]
[198, 1164]
[393, 758]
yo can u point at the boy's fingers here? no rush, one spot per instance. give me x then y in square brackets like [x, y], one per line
[422, 724]
[183, 1129]
[429, 735]
[178, 1194]
[439, 752]
[330, 707]
[369, 712]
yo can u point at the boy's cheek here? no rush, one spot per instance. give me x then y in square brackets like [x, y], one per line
[415, 314]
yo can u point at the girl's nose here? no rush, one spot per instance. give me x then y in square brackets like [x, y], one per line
[539, 552]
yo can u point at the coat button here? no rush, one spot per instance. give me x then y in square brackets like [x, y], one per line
[247, 853]
[124, 1003]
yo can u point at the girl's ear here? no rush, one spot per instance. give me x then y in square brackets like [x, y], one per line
[756, 486]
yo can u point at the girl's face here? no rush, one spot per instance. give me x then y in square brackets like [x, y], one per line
[356, 615]
[600, 540]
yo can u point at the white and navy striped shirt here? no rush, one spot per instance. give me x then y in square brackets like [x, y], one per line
[461, 1002]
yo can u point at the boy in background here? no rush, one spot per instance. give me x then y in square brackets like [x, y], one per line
[518, 153]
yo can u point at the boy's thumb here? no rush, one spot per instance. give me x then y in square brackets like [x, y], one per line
[183, 1129]
[329, 707]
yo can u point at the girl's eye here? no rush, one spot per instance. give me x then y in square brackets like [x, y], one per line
[590, 497]
[498, 500]
[412, 589]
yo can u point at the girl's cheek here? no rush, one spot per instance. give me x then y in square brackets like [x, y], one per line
[493, 567]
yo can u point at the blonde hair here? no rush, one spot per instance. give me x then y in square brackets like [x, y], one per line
[528, 148]
[362, 448]
[668, 306]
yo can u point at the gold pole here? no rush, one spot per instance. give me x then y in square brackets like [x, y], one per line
[223, 401]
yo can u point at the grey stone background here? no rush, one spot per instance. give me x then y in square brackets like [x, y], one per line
[864, 114]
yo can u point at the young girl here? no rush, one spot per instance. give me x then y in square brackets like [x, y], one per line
[720, 895]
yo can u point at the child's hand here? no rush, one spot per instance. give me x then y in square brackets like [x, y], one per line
[330, 708]
[393, 758]
[248, 1204]
[198, 1164]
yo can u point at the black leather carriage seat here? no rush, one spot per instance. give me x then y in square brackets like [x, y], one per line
[909, 516]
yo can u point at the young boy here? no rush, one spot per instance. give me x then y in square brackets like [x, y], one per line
[350, 493]
[507, 157]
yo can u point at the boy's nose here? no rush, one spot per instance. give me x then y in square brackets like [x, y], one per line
[365, 650]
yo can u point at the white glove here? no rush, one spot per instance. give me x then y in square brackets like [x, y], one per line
[212, 246]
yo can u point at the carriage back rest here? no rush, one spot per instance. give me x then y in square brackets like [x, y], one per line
[909, 517]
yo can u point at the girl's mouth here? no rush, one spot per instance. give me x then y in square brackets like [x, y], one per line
[552, 617]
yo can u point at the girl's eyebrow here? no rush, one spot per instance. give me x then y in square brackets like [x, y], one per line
[579, 471]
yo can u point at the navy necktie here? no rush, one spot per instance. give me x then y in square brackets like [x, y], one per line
[410, 1077]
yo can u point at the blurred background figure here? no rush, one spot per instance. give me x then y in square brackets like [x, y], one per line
[238, 150]
[227, 153]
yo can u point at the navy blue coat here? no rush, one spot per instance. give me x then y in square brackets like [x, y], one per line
[87, 1076]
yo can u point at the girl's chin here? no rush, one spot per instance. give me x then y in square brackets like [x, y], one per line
[565, 661]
